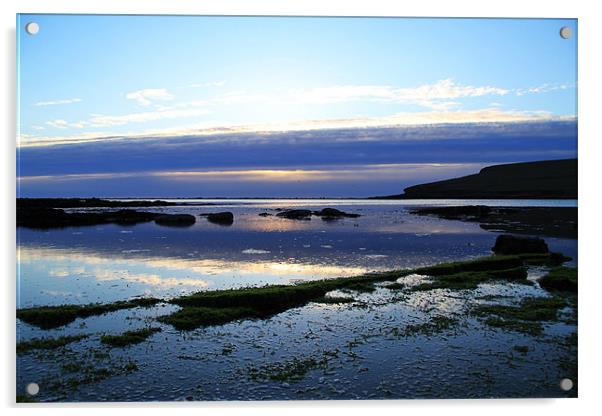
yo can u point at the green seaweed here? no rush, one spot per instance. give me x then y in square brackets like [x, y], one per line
[530, 309]
[471, 279]
[293, 370]
[477, 265]
[562, 279]
[531, 328]
[526, 317]
[129, 337]
[333, 300]
[544, 259]
[222, 306]
[193, 317]
[49, 317]
[275, 297]
[435, 325]
[362, 287]
[47, 343]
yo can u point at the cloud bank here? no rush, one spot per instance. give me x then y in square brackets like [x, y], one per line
[322, 162]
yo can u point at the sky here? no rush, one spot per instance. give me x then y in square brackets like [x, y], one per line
[181, 106]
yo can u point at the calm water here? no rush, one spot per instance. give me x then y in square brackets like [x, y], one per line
[358, 346]
[112, 262]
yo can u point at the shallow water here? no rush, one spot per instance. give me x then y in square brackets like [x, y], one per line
[111, 262]
[357, 345]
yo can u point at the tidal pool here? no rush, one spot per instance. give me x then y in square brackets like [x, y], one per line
[357, 350]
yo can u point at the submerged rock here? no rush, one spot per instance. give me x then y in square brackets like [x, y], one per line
[305, 214]
[175, 220]
[455, 212]
[222, 218]
[511, 244]
[332, 213]
[295, 214]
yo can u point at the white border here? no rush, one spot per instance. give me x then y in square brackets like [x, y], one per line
[590, 111]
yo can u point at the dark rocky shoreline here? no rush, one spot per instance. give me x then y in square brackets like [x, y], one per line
[45, 218]
[45, 213]
[558, 222]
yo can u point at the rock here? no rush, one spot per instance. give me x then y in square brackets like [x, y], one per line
[39, 217]
[129, 216]
[222, 218]
[265, 214]
[175, 220]
[560, 279]
[455, 212]
[332, 213]
[510, 244]
[295, 214]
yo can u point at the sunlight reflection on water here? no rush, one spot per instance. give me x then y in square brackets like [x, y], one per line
[111, 262]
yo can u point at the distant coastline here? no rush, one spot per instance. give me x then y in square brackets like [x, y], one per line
[548, 179]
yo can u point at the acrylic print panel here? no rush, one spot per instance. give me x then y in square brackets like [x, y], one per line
[274, 208]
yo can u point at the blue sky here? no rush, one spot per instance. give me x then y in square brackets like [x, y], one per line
[242, 106]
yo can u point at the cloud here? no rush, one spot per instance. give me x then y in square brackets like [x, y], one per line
[148, 96]
[358, 173]
[443, 99]
[544, 88]
[105, 121]
[99, 120]
[439, 95]
[487, 115]
[57, 102]
[279, 154]
[62, 124]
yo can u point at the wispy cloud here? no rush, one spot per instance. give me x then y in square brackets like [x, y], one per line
[148, 96]
[63, 124]
[100, 120]
[441, 102]
[439, 95]
[542, 89]
[57, 102]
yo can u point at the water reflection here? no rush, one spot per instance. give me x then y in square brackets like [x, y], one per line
[112, 262]
[55, 276]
